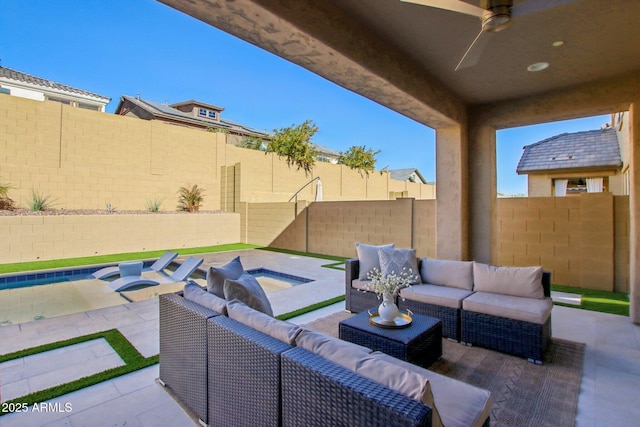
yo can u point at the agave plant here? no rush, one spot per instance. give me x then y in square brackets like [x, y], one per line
[189, 199]
[39, 202]
[154, 205]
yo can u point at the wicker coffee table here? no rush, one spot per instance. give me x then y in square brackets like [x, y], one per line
[420, 343]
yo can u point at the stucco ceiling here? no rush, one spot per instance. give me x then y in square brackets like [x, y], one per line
[384, 49]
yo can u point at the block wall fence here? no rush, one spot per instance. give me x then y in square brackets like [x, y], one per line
[47, 237]
[85, 160]
[582, 240]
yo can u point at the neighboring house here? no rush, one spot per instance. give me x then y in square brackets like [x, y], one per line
[326, 154]
[23, 85]
[573, 163]
[193, 114]
[410, 174]
[196, 114]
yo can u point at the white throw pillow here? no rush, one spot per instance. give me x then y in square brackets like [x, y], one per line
[369, 258]
[394, 261]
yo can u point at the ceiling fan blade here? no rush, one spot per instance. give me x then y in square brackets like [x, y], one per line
[452, 5]
[532, 6]
[473, 54]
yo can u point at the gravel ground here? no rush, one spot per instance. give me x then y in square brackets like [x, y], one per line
[28, 212]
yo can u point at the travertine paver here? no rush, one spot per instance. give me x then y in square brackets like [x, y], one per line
[41, 371]
[610, 375]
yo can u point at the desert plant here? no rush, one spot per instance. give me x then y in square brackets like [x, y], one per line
[154, 205]
[6, 203]
[189, 199]
[110, 208]
[39, 202]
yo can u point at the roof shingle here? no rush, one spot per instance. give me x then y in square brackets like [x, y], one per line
[593, 149]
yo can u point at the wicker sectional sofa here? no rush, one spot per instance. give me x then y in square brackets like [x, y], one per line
[502, 308]
[236, 366]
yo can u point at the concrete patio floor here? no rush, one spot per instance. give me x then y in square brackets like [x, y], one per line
[607, 396]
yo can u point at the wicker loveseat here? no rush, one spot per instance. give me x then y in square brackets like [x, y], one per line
[229, 373]
[502, 308]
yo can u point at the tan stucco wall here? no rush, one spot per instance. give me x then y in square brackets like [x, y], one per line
[573, 237]
[84, 159]
[582, 240]
[67, 236]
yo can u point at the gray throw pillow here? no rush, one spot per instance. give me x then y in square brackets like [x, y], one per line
[396, 260]
[247, 289]
[193, 292]
[217, 275]
[368, 258]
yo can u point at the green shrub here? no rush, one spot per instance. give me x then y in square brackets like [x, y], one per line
[189, 199]
[154, 205]
[6, 203]
[39, 202]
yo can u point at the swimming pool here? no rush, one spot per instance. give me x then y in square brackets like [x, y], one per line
[45, 294]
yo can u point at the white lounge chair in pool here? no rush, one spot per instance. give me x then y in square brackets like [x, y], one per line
[181, 274]
[160, 264]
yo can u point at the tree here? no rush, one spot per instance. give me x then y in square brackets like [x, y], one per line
[359, 157]
[294, 144]
[253, 143]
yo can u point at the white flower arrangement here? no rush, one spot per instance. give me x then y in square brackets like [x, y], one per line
[389, 284]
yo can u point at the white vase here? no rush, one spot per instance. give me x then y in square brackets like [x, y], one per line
[388, 310]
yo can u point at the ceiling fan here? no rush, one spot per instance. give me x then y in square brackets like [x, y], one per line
[495, 15]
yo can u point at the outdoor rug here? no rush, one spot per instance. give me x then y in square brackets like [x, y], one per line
[524, 394]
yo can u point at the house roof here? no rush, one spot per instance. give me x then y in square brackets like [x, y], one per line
[593, 149]
[29, 80]
[405, 174]
[161, 111]
[325, 150]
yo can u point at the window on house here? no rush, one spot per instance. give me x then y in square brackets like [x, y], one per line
[89, 107]
[60, 100]
[212, 114]
[202, 112]
[575, 186]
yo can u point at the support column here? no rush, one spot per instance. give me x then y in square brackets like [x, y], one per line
[452, 213]
[634, 212]
[482, 194]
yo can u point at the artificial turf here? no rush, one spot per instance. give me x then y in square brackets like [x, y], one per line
[115, 258]
[131, 357]
[596, 300]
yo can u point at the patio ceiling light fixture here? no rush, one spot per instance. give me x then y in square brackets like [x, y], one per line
[538, 66]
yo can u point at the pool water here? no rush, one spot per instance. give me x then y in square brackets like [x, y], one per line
[35, 296]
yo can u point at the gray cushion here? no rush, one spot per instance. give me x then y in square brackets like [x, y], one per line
[385, 370]
[217, 275]
[454, 274]
[436, 295]
[247, 289]
[448, 395]
[516, 281]
[530, 310]
[281, 330]
[343, 353]
[394, 261]
[193, 292]
[368, 258]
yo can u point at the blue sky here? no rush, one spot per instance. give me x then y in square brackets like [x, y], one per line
[125, 47]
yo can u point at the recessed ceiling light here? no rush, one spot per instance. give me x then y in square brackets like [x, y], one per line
[538, 66]
[557, 43]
